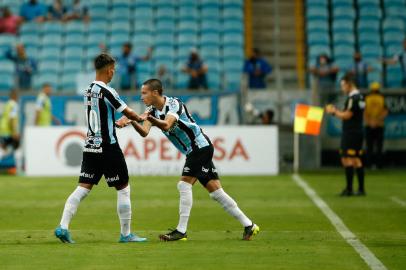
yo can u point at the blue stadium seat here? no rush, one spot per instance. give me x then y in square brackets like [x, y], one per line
[188, 27]
[92, 52]
[49, 53]
[121, 4]
[187, 39]
[49, 66]
[97, 4]
[29, 40]
[144, 13]
[374, 76]
[370, 13]
[340, 25]
[144, 27]
[318, 39]
[369, 38]
[145, 66]
[183, 53]
[371, 51]
[140, 50]
[233, 13]
[317, 13]
[72, 65]
[209, 3]
[142, 40]
[344, 38]
[232, 80]
[393, 38]
[51, 28]
[164, 53]
[95, 39]
[210, 26]
[343, 51]
[73, 53]
[7, 67]
[120, 14]
[98, 27]
[165, 26]
[212, 13]
[169, 65]
[233, 26]
[181, 80]
[344, 13]
[75, 28]
[142, 77]
[120, 27]
[165, 3]
[233, 4]
[7, 42]
[232, 65]
[214, 80]
[52, 40]
[233, 52]
[32, 51]
[368, 26]
[391, 50]
[318, 26]
[188, 13]
[342, 3]
[118, 39]
[166, 13]
[98, 13]
[6, 82]
[28, 28]
[369, 3]
[68, 82]
[392, 24]
[208, 39]
[394, 76]
[233, 39]
[51, 78]
[142, 4]
[74, 40]
[210, 52]
[164, 39]
[344, 63]
[316, 50]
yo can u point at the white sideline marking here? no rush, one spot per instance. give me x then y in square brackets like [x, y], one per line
[398, 201]
[369, 258]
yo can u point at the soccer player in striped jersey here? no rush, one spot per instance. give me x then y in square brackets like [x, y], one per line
[172, 117]
[102, 154]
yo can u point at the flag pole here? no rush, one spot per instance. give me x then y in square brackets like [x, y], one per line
[296, 152]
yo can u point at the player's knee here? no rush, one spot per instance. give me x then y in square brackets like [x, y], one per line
[184, 186]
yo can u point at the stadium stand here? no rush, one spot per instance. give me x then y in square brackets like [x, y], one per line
[373, 27]
[173, 28]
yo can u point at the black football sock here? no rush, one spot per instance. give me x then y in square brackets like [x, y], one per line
[349, 174]
[360, 176]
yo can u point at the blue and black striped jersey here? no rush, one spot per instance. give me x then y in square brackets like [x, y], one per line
[101, 102]
[186, 135]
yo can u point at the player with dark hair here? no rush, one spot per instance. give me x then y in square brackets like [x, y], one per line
[172, 117]
[352, 135]
[102, 154]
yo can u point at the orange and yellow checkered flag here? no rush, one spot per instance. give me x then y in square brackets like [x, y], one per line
[308, 119]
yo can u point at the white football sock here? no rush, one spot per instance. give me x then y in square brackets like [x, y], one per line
[72, 204]
[124, 210]
[230, 206]
[185, 205]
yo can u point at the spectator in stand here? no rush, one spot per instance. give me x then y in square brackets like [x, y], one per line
[325, 73]
[57, 11]
[25, 66]
[78, 11]
[127, 65]
[359, 70]
[401, 59]
[33, 11]
[164, 76]
[197, 70]
[9, 23]
[257, 69]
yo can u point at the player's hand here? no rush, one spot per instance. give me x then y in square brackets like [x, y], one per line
[123, 122]
[330, 109]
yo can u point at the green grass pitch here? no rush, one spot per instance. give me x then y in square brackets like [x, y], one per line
[294, 233]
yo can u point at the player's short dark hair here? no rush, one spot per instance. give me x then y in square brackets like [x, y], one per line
[348, 78]
[154, 84]
[103, 60]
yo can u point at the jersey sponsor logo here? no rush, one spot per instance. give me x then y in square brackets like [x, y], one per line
[86, 175]
[93, 95]
[112, 179]
[186, 169]
[206, 170]
[93, 150]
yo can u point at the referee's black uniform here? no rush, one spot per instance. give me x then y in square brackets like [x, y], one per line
[352, 138]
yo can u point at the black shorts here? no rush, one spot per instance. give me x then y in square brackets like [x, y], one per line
[110, 163]
[351, 144]
[199, 164]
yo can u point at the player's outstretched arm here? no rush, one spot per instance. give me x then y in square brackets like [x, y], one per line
[130, 114]
[343, 115]
[164, 125]
[143, 129]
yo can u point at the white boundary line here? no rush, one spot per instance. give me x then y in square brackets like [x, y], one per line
[398, 201]
[369, 258]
